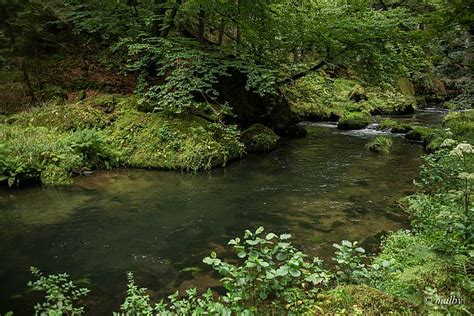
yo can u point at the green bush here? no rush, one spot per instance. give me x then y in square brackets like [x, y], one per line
[461, 124]
[62, 295]
[50, 156]
[380, 145]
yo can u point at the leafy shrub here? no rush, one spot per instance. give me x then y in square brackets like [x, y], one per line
[37, 153]
[349, 263]
[380, 145]
[461, 124]
[61, 294]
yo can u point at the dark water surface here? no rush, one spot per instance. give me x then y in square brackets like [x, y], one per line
[322, 189]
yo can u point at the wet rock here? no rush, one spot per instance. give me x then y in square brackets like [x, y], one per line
[259, 138]
[354, 121]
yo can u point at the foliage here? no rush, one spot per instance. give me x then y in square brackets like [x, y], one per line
[461, 124]
[434, 259]
[272, 269]
[62, 294]
[380, 145]
[349, 263]
[36, 153]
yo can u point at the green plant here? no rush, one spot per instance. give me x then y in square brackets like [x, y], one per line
[61, 294]
[350, 265]
[272, 271]
[380, 145]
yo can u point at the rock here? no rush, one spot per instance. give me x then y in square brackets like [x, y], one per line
[354, 121]
[250, 107]
[358, 94]
[418, 134]
[401, 128]
[259, 138]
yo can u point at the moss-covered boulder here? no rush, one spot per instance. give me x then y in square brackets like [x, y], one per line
[380, 145]
[401, 128]
[419, 134]
[395, 127]
[259, 138]
[184, 142]
[357, 120]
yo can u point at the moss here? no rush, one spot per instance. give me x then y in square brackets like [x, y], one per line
[395, 127]
[380, 145]
[186, 142]
[401, 129]
[316, 97]
[419, 134]
[357, 120]
[359, 299]
[259, 138]
[63, 117]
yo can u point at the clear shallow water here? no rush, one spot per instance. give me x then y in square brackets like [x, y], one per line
[322, 189]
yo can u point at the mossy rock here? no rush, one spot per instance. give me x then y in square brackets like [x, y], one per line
[395, 127]
[419, 134]
[353, 121]
[259, 138]
[182, 142]
[380, 145]
[360, 299]
[401, 129]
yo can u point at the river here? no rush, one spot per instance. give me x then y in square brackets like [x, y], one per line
[321, 189]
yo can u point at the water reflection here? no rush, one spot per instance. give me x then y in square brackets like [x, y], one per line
[322, 189]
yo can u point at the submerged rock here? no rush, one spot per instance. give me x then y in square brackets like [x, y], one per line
[259, 138]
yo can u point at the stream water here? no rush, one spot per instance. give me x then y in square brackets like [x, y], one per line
[322, 189]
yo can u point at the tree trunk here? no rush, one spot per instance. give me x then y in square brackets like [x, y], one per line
[221, 33]
[170, 26]
[158, 20]
[238, 34]
[28, 84]
[202, 24]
